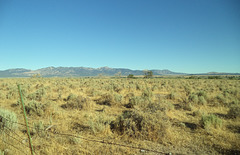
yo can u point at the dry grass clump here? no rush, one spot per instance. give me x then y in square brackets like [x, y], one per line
[234, 112]
[39, 129]
[105, 99]
[38, 95]
[76, 102]
[99, 124]
[133, 101]
[34, 107]
[210, 120]
[141, 125]
[187, 106]
[198, 98]
[8, 120]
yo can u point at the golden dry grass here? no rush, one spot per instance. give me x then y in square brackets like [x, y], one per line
[166, 115]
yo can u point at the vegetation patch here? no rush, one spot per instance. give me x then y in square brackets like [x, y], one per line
[8, 120]
[234, 112]
[36, 108]
[80, 127]
[39, 129]
[210, 120]
[38, 95]
[133, 101]
[141, 125]
[75, 102]
[133, 112]
[105, 99]
[99, 123]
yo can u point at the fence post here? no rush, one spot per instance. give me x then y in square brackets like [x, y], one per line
[25, 117]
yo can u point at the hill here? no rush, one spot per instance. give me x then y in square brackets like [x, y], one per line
[78, 71]
[87, 71]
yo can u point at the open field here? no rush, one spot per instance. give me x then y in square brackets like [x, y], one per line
[178, 116]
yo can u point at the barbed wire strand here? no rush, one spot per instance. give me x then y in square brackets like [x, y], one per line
[19, 141]
[21, 138]
[13, 146]
[110, 143]
[94, 140]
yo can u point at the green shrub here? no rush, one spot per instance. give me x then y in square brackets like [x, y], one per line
[186, 106]
[99, 123]
[193, 98]
[234, 111]
[116, 88]
[4, 85]
[38, 95]
[198, 98]
[139, 101]
[202, 93]
[118, 98]
[133, 101]
[197, 113]
[188, 90]
[159, 107]
[210, 120]
[173, 96]
[74, 140]
[75, 102]
[39, 129]
[154, 87]
[147, 93]
[128, 96]
[34, 107]
[32, 96]
[8, 119]
[70, 97]
[221, 99]
[202, 100]
[138, 86]
[105, 99]
[234, 102]
[141, 125]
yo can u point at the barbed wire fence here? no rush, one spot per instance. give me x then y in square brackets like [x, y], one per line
[10, 134]
[19, 140]
[7, 134]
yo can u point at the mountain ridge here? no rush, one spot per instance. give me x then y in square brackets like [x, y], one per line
[79, 71]
[88, 71]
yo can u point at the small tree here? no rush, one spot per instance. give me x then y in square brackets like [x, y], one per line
[130, 76]
[148, 74]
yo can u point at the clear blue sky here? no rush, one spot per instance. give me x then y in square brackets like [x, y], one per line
[191, 36]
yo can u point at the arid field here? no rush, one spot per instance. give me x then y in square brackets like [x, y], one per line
[120, 116]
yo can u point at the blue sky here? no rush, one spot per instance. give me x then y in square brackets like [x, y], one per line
[191, 36]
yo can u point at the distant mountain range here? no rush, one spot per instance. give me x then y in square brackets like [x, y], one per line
[86, 71]
[78, 71]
